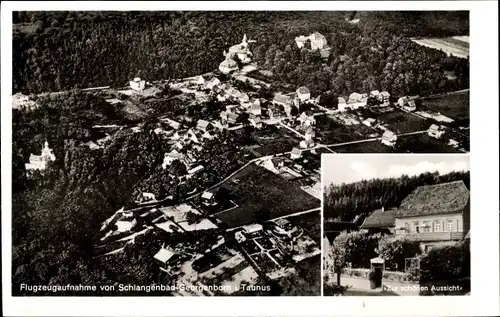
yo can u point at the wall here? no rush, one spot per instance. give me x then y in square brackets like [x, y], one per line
[457, 220]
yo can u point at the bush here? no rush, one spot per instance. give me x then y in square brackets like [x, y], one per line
[394, 250]
[446, 262]
[334, 290]
[354, 248]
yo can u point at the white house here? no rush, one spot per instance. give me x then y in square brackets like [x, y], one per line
[435, 131]
[126, 222]
[369, 122]
[213, 83]
[295, 154]
[342, 105]
[389, 138]
[204, 125]
[137, 84]
[318, 41]
[303, 94]
[410, 106]
[384, 96]
[256, 121]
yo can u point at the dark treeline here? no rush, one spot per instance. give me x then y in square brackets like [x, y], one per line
[357, 200]
[62, 50]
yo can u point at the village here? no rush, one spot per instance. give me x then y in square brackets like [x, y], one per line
[254, 210]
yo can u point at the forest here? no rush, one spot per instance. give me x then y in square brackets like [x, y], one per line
[354, 202]
[55, 51]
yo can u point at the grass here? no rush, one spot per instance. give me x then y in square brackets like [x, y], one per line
[259, 189]
[329, 131]
[423, 143]
[275, 141]
[455, 106]
[401, 122]
[365, 147]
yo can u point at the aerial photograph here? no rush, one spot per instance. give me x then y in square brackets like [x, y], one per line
[179, 153]
[396, 225]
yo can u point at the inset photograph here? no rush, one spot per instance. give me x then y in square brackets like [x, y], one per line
[396, 225]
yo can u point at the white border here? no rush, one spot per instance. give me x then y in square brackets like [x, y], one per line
[484, 184]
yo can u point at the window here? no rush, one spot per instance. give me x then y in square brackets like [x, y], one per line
[450, 226]
[426, 227]
[415, 227]
[438, 226]
[406, 227]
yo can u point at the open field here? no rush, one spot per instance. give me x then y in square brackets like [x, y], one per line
[330, 131]
[275, 141]
[365, 147]
[256, 189]
[455, 106]
[423, 143]
[456, 46]
[401, 122]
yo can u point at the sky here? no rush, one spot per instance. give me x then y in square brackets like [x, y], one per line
[351, 168]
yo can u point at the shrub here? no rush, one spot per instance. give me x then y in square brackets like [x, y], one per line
[394, 250]
[334, 290]
[354, 248]
[446, 262]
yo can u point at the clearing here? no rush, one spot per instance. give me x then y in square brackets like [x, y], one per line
[256, 190]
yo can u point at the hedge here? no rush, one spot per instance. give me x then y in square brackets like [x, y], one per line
[395, 249]
[354, 249]
[399, 277]
[447, 262]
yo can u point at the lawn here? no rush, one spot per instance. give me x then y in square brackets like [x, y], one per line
[273, 140]
[329, 131]
[365, 147]
[258, 189]
[423, 143]
[455, 105]
[401, 122]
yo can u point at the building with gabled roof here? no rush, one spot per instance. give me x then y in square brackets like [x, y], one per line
[380, 220]
[303, 94]
[295, 154]
[435, 213]
[138, 84]
[389, 138]
[435, 131]
[39, 162]
[204, 125]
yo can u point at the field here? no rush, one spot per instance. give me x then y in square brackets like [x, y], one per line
[401, 122]
[422, 143]
[365, 147]
[329, 131]
[274, 141]
[456, 46]
[455, 105]
[260, 193]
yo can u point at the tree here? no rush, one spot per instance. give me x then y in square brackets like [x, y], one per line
[394, 250]
[260, 216]
[178, 168]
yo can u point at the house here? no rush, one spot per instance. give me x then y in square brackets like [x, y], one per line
[126, 221]
[282, 100]
[410, 106]
[369, 122]
[375, 93]
[435, 214]
[223, 116]
[283, 227]
[255, 109]
[318, 41]
[342, 105]
[307, 143]
[256, 121]
[146, 198]
[228, 65]
[303, 94]
[332, 229]
[170, 157]
[214, 82]
[192, 136]
[453, 143]
[199, 80]
[22, 101]
[166, 256]
[208, 198]
[204, 125]
[138, 84]
[195, 170]
[357, 100]
[384, 96]
[232, 118]
[310, 133]
[380, 221]
[39, 162]
[306, 120]
[207, 135]
[389, 138]
[295, 154]
[435, 131]
[402, 101]
[244, 98]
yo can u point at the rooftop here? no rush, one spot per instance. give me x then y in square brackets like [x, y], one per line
[380, 219]
[446, 198]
